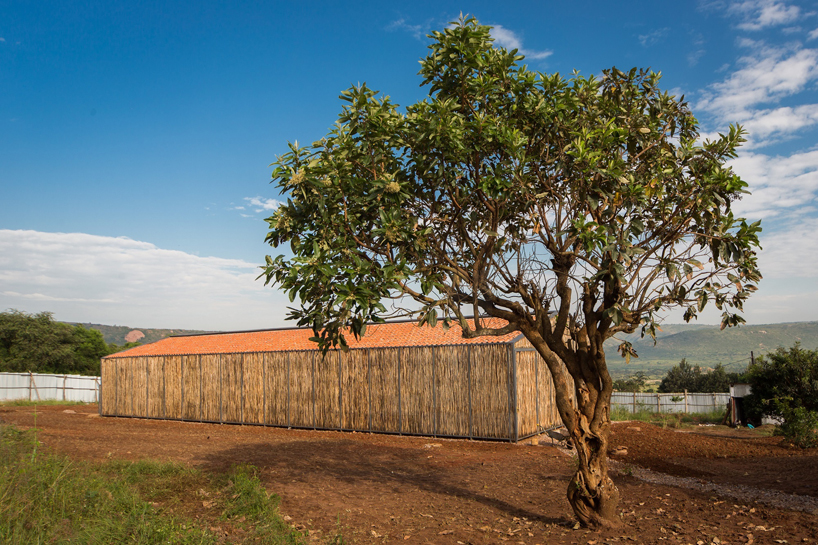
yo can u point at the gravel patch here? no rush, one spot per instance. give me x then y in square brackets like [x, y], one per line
[773, 498]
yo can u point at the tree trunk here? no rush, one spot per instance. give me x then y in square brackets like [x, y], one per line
[592, 494]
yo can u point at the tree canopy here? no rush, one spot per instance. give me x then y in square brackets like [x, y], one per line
[573, 208]
[37, 343]
[784, 383]
[691, 378]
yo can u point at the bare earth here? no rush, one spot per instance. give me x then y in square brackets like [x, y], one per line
[387, 489]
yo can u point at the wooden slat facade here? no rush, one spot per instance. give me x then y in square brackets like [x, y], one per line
[488, 391]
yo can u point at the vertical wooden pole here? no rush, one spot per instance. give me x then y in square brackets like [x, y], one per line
[288, 391]
[369, 377]
[264, 388]
[537, 390]
[164, 386]
[221, 413]
[686, 409]
[340, 396]
[471, 416]
[64, 379]
[434, 394]
[201, 389]
[400, 406]
[633, 405]
[147, 390]
[313, 388]
[116, 388]
[241, 407]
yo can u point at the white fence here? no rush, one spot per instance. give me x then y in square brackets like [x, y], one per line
[41, 387]
[670, 403]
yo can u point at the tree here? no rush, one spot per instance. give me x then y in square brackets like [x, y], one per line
[37, 343]
[784, 383]
[572, 209]
[634, 383]
[687, 377]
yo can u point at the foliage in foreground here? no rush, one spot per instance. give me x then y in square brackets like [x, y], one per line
[785, 384]
[38, 343]
[46, 498]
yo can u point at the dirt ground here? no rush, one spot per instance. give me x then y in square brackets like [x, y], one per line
[389, 489]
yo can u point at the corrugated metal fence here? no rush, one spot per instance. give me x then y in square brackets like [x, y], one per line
[41, 387]
[670, 403]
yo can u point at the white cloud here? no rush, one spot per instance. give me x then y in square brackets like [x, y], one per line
[783, 187]
[90, 278]
[415, 30]
[260, 204]
[760, 14]
[508, 39]
[764, 77]
[768, 126]
[791, 252]
[653, 37]
[812, 35]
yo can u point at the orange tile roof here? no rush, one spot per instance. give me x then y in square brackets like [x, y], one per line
[387, 335]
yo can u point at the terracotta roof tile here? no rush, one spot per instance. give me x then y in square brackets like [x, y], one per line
[279, 340]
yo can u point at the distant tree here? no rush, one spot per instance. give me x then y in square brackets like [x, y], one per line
[634, 383]
[572, 209]
[693, 379]
[784, 383]
[38, 343]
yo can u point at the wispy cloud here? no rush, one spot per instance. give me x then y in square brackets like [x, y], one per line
[417, 31]
[766, 75]
[791, 253]
[784, 187]
[509, 39]
[812, 35]
[653, 37]
[760, 14]
[772, 125]
[260, 204]
[90, 278]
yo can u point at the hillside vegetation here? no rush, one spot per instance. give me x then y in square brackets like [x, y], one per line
[116, 334]
[707, 346]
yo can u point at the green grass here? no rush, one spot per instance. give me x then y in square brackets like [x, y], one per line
[46, 498]
[667, 420]
[44, 402]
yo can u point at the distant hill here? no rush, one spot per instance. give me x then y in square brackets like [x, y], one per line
[119, 334]
[707, 346]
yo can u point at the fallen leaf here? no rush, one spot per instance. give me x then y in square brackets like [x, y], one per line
[445, 532]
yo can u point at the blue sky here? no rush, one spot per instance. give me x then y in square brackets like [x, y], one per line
[135, 137]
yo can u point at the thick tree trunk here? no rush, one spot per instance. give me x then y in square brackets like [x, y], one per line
[592, 494]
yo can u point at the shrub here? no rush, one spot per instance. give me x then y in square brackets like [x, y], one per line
[800, 427]
[785, 384]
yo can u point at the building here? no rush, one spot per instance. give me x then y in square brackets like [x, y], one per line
[399, 378]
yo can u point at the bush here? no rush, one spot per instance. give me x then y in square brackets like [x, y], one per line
[785, 384]
[800, 427]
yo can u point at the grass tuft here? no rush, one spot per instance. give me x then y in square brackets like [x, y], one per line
[42, 403]
[49, 498]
